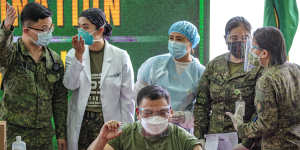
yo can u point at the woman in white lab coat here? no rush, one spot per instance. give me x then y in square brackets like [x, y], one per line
[101, 79]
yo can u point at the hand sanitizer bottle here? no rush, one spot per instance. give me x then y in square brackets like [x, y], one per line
[18, 144]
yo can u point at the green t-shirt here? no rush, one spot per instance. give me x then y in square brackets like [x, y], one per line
[235, 67]
[174, 138]
[96, 62]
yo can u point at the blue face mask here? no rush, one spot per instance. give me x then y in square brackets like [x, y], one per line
[86, 36]
[44, 38]
[177, 49]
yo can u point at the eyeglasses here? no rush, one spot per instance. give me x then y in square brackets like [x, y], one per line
[149, 112]
[238, 37]
[44, 28]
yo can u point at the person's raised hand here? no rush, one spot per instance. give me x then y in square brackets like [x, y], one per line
[10, 16]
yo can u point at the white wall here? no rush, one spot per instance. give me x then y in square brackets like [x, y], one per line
[253, 10]
[294, 54]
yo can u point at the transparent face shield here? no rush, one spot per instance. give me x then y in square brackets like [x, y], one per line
[155, 111]
[252, 60]
[238, 45]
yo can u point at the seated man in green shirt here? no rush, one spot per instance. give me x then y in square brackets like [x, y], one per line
[151, 131]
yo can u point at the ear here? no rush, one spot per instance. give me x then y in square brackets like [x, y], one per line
[25, 30]
[137, 111]
[171, 111]
[189, 46]
[101, 30]
[193, 51]
[189, 43]
[226, 39]
[264, 54]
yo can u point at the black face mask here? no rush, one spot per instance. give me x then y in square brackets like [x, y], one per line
[237, 49]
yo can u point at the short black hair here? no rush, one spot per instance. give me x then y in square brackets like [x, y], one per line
[272, 40]
[237, 22]
[153, 92]
[33, 12]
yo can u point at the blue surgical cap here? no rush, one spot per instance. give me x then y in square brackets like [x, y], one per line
[189, 30]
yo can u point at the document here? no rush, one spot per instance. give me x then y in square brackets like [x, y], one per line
[221, 141]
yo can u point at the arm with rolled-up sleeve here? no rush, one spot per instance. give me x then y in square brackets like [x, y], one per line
[73, 68]
[267, 111]
[126, 93]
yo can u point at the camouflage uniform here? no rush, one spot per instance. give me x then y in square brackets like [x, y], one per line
[277, 101]
[217, 95]
[33, 93]
[90, 128]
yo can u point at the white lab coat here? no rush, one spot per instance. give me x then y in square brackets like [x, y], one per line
[116, 89]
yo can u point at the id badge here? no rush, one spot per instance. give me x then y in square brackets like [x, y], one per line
[240, 108]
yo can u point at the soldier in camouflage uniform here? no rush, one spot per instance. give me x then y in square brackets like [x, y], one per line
[32, 83]
[223, 83]
[277, 96]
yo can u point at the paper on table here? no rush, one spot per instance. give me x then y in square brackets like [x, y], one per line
[211, 142]
[221, 141]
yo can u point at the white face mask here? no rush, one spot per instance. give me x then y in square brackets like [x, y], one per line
[155, 125]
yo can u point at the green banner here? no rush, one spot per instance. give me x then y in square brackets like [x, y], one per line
[282, 14]
[139, 26]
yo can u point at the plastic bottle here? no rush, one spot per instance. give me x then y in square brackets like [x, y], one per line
[18, 144]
